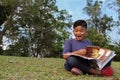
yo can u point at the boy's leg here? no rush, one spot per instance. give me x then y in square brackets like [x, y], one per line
[80, 63]
[67, 66]
[74, 70]
[84, 65]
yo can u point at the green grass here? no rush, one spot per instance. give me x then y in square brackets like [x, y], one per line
[26, 68]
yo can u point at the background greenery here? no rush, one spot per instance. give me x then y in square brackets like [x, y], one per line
[37, 28]
[26, 68]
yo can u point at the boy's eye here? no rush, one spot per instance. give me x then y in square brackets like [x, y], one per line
[79, 30]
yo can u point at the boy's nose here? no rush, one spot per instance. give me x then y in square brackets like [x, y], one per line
[80, 33]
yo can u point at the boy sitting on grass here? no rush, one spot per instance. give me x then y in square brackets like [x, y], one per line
[78, 45]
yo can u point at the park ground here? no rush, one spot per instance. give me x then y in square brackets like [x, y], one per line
[26, 68]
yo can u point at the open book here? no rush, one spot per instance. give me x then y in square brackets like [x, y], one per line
[104, 56]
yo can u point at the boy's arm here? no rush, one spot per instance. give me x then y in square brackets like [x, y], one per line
[79, 52]
[66, 55]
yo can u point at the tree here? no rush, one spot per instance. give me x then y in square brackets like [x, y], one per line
[102, 24]
[96, 38]
[40, 22]
[19, 48]
[118, 11]
[5, 12]
[115, 5]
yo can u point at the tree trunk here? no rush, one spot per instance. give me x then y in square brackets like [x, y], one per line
[1, 37]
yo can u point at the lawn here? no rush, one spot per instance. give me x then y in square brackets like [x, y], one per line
[26, 68]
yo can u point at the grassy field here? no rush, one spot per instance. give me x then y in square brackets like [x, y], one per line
[25, 68]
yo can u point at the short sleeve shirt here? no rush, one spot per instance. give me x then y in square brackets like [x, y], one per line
[74, 45]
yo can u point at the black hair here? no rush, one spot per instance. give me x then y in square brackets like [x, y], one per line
[80, 23]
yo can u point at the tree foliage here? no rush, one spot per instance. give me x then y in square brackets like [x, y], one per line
[115, 5]
[4, 13]
[97, 39]
[19, 48]
[102, 23]
[99, 24]
[41, 23]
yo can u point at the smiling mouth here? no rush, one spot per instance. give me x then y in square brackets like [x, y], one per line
[79, 36]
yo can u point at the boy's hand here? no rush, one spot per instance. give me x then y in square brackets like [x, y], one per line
[65, 56]
[80, 52]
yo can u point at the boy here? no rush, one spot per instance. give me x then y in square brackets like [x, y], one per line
[78, 45]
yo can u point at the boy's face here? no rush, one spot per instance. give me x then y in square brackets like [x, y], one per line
[79, 32]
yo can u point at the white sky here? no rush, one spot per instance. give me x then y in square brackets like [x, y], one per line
[75, 8]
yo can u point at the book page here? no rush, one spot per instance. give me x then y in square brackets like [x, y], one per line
[105, 56]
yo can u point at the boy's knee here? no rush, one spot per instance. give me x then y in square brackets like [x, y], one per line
[67, 66]
[72, 60]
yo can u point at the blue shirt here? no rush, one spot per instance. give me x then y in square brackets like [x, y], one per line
[74, 45]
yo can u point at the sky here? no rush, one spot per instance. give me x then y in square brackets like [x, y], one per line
[75, 8]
